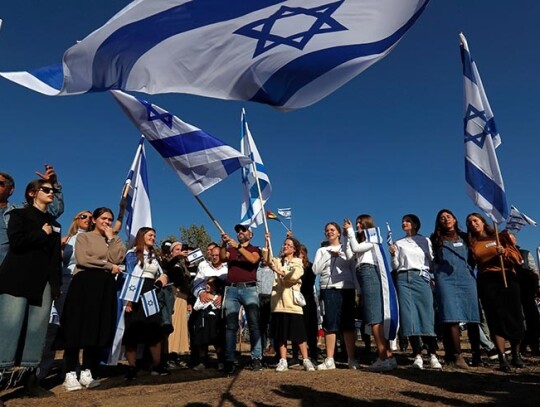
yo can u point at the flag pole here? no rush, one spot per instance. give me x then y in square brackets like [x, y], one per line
[500, 255]
[209, 214]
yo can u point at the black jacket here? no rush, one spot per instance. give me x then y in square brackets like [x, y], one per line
[34, 258]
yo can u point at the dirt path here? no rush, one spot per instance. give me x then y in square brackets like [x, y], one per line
[404, 386]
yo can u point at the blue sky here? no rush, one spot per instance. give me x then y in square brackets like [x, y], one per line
[387, 143]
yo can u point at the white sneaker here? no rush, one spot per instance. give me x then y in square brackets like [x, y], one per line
[71, 383]
[418, 362]
[200, 367]
[87, 380]
[308, 366]
[353, 364]
[434, 362]
[328, 364]
[380, 366]
[282, 365]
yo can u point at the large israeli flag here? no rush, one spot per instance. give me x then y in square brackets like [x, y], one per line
[252, 211]
[199, 159]
[138, 209]
[483, 176]
[287, 54]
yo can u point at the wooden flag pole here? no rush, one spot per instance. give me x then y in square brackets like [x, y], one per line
[209, 214]
[500, 255]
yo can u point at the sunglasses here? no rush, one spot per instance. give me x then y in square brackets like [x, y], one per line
[84, 216]
[48, 190]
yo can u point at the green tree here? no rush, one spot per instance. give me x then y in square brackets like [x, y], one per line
[195, 236]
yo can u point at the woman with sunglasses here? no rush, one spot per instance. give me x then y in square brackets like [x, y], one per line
[29, 281]
[89, 317]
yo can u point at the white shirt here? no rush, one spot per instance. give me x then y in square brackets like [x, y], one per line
[335, 271]
[413, 253]
[206, 270]
[361, 251]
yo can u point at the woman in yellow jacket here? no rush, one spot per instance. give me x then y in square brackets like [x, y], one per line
[287, 314]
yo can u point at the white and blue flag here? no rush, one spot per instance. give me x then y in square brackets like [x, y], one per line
[516, 220]
[131, 290]
[199, 159]
[389, 295]
[285, 53]
[252, 212]
[138, 208]
[389, 239]
[150, 303]
[483, 177]
[286, 213]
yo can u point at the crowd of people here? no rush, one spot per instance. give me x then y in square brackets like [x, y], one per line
[69, 293]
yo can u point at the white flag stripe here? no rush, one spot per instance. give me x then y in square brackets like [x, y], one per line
[517, 220]
[138, 209]
[283, 53]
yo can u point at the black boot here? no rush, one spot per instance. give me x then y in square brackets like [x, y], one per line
[516, 360]
[32, 388]
[503, 363]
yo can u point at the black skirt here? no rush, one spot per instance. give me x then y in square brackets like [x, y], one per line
[139, 327]
[502, 306]
[89, 315]
[286, 326]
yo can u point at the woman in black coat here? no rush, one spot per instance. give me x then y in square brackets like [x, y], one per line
[30, 279]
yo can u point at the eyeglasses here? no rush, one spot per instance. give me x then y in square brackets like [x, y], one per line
[84, 216]
[48, 190]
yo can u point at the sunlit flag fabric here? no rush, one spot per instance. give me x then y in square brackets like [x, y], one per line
[138, 207]
[252, 210]
[516, 220]
[287, 54]
[285, 212]
[389, 296]
[150, 303]
[271, 215]
[483, 176]
[199, 159]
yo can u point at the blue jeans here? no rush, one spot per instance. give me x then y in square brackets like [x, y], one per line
[12, 316]
[249, 299]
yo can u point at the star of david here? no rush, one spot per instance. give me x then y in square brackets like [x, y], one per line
[153, 114]
[322, 23]
[150, 303]
[132, 287]
[474, 120]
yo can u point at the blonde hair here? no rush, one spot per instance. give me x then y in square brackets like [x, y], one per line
[74, 227]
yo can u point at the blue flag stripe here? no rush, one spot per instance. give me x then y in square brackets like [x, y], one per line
[486, 187]
[52, 75]
[318, 63]
[467, 65]
[185, 143]
[141, 36]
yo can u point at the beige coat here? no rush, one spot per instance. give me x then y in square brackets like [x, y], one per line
[282, 291]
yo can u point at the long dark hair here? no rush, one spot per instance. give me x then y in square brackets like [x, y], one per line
[97, 213]
[139, 245]
[487, 228]
[438, 236]
[367, 223]
[33, 186]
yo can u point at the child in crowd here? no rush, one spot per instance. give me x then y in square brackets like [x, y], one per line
[208, 325]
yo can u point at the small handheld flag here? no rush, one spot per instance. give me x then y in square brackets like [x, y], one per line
[150, 303]
[517, 220]
[272, 216]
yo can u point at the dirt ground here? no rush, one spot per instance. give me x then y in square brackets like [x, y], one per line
[403, 386]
